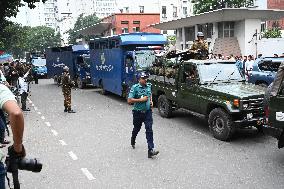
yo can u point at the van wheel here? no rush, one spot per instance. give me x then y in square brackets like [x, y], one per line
[165, 106]
[221, 124]
[80, 83]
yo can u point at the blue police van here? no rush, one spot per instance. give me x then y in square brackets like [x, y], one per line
[76, 57]
[116, 60]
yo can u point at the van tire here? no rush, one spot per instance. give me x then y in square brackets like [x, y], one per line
[221, 124]
[165, 106]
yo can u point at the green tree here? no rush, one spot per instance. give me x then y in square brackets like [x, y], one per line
[201, 6]
[41, 37]
[82, 22]
[9, 8]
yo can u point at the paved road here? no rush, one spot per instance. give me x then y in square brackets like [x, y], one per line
[91, 149]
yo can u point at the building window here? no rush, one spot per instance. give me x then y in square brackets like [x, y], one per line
[141, 8]
[125, 30]
[124, 22]
[164, 12]
[136, 22]
[263, 27]
[226, 29]
[136, 29]
[184, 11]
[113, 31]
[189, 34]
[174, 11]
[206, 29]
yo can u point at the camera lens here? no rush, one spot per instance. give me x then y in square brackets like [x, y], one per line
[29, 165]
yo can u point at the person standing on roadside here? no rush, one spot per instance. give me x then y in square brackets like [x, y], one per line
[141, 96]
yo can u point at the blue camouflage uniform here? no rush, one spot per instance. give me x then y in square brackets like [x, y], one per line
[142, 112]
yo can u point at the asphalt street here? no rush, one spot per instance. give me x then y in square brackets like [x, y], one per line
[91, 149]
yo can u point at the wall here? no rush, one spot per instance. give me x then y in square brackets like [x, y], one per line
[275, 4]
[251, 25]
[240, 35]
[268, 47]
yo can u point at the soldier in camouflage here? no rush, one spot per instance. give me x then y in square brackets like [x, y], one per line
[67, 84]
[200, 45]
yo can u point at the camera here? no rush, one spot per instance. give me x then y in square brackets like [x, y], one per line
[23, 164]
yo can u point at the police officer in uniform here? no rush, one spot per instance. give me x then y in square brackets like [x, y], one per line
[141, 96]
[67, 84]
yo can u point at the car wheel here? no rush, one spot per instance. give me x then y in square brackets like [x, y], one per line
[220, 124]
[164, 106]
[264, 85]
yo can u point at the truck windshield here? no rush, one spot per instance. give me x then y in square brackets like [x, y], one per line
[39, 62]
[219, 73]
[144, 59]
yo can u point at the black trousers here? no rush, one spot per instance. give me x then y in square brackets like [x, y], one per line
[24, 97]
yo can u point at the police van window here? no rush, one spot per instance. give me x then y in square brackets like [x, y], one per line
[269, 66]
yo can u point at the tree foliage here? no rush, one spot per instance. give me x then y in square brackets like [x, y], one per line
[272, 33]
[16, 39]
[201, 6]
[82, 22]
[9, 8]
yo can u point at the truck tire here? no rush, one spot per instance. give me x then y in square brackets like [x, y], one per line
[103, 91]
[80, 83]
[165, 106]
[221, 124]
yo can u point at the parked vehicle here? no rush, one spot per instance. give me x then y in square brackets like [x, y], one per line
[264, 71]
[40, 65]
[76, 57]
[116, 60]
[274, 108]
[214, 90]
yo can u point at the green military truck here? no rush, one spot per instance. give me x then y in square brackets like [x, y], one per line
[213, 89]
[274, 108]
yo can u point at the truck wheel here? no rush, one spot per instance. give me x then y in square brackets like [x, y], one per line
[220, 124]
[55, 79]
[165, 106]
[80, 83]
[103, 91]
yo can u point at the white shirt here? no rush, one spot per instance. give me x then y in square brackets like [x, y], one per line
[23, 85]
[249, 65]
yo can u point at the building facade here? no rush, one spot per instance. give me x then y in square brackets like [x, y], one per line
[276, 4]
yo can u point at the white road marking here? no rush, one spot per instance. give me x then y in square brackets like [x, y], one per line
[72, 155]
[35, 108]
[199, 133]
[29, 100]
[48, 124]
[87, 174]
[55, 133]
[42, 117]
[39, 113]
[33, 105]
[62, 142]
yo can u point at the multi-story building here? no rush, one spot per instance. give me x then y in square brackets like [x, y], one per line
[50, 14]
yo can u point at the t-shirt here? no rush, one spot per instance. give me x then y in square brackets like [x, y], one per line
[137, 91]
[5, 95]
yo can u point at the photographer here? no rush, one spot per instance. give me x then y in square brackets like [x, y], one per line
[9, 105]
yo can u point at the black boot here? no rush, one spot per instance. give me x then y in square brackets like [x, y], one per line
[133, 142]
[65, 110]
[152, 153]
[71, 111]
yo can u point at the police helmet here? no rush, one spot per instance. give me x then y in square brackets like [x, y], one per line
[200, 34]
[143, 75]
[65, 68]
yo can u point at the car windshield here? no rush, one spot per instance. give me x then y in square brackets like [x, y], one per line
[39, 62]
[144, 58]
[220, 72]
[269, 66]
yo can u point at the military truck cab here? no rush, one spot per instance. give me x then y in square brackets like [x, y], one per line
[274, 108]
[212, 89]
